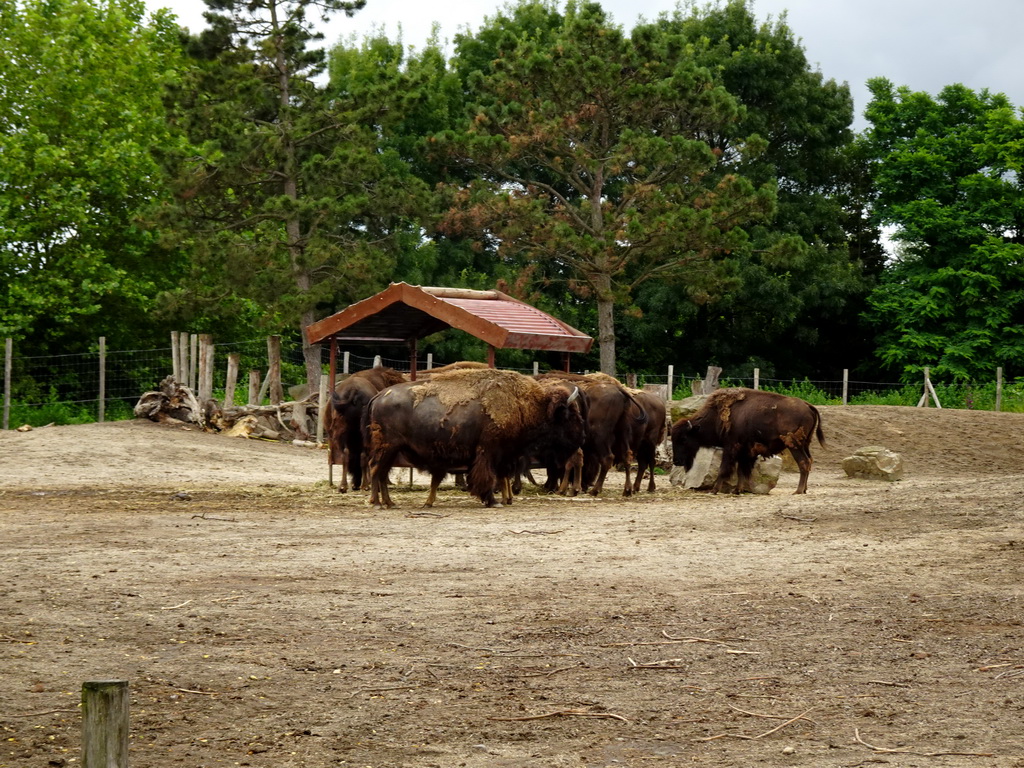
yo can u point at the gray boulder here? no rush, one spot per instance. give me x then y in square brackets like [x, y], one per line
[708, 461]
[874, 462]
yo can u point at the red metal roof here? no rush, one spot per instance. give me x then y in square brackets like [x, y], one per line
[402, 313]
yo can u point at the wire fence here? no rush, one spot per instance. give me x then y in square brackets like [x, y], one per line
[105, 385]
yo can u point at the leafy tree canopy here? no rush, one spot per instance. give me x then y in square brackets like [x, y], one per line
[81, 118]
[590, 157]
[947, 176]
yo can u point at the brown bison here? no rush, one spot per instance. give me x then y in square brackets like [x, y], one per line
[745, 424]
[613, 417]
[483, 421]
[343, 420]
[646, 438]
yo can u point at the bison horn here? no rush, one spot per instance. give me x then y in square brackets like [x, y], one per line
[574, 395]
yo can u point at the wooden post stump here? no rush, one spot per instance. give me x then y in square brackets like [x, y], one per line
[105, 724]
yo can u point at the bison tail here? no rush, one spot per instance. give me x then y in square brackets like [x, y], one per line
[817, 428]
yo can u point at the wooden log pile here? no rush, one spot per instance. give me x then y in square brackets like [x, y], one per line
[175, 403]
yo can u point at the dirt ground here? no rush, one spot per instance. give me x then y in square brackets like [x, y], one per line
[263, 619]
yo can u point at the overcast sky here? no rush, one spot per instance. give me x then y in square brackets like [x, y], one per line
[923, 44]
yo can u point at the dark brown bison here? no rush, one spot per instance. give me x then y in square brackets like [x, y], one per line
[745, 424]
[483, 421]
[613, 415]
[343, 421]
[645, 438]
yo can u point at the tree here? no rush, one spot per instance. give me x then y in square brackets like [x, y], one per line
[81, 121]
[591, 157]
[947, 174]
[792, 298]
[292, 198]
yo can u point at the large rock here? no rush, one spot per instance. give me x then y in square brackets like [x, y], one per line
[708, 461]
[874, 462]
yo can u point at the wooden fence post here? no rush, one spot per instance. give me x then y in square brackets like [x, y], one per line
[999, 388]
[205, 377]
[757, 378]
[274, 369]
[344, 362]
[928, 390]
[101, 411]
[193, 361]
[234, 359]
[8, 354]
[669, 382]
[175, 357]
[183, 359]
[846, 385]
[105, 724]
[254, 387]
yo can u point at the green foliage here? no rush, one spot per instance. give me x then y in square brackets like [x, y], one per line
[590, 156]
[947, 175]
[62, 413]
[295, 202]
[790, 300]
[81, 118]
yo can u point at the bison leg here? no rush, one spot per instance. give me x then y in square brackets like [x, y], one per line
[343, 483]
[435, 481]
[379, 471]
[803, 460]
[725, 470]
[744, 473]
[482, 479]
[605, 465]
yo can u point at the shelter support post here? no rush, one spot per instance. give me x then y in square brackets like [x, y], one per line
[413, 351]
[332, 368]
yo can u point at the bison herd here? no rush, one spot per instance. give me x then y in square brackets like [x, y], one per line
[492, 427]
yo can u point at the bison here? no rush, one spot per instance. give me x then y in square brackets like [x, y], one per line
[646, 438]
[613, 416]
[343, 420]
[483, 421]
[745, 424]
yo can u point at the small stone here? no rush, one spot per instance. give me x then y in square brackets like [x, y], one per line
[874, 462]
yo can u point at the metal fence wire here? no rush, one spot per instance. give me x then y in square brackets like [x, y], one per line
[68, 387]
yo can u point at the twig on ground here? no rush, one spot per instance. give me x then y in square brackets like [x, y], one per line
[909, 751]
[172, 607]
[1015, 672]
[698, 639]
[564, 713]
[205, 516]
[890, 683]
[770, 717]
[552, 672]
[47, 712]
[662, 664]
[358, 691]
[9, 639]
[424, 514]
[798, 519]
[536, 533]
[475, 648]
[779, 727]
[200, 693]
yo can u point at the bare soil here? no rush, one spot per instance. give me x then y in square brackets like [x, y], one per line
[263, 619]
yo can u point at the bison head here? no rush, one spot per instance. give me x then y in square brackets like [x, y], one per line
[685, 443]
